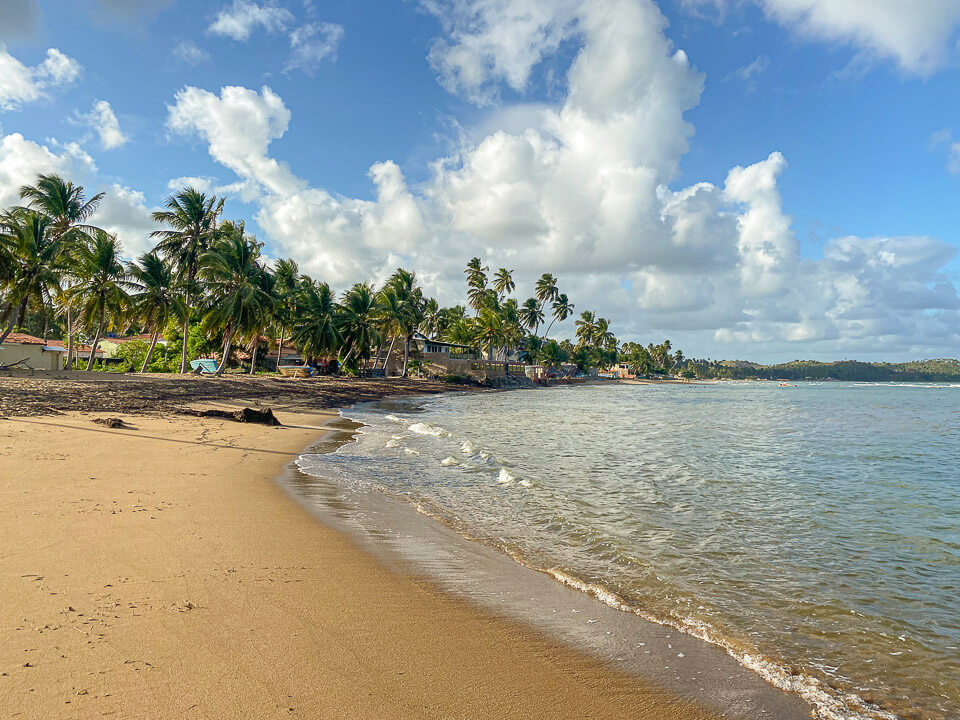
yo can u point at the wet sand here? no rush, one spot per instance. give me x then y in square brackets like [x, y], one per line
[160, 572]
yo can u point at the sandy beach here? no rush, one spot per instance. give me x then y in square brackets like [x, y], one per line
[159, 571]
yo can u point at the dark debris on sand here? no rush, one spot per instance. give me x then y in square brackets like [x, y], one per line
[170, 394]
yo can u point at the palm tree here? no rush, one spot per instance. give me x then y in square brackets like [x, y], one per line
[490, 330]
[409, 298]
[358, 323]
[255, 334]
[433, 319]
[390, 312]
[102, 284]
[586, 328]
[315, 331]
[546, 289]
[286, 275]
[562, 309]
[233, 275]
[157, 297]
[67, 207]
[192, 217]
[36, 261]
[531, 315]
[503, 283]
[477, 292]
[62, 201]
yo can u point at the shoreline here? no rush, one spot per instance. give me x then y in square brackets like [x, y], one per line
[186, 583]
[417, 540]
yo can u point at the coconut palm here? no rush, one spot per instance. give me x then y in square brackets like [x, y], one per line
[586, 328]
[62, 201]
[562, 309]
[67, 206]
[531, 315]
[358, 322]
[101, 291]
[477, 292]
[36, 261]
[233, 275]
[316, 330]
[546, 289]
[192, 218]
[503, 283]
[287, 279]
[268, 316]
[409, 301]
[157, 297]
[489, 330]
[433, 319]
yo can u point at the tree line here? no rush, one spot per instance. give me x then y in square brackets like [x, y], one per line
[205, 287]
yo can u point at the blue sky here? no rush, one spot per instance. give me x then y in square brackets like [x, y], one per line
[763, 179]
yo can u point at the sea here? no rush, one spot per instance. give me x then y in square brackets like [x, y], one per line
[811, 531]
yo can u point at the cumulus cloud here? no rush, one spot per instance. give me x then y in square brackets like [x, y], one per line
[189, 53]
[916, 35]
[124, 212]
[103, 120]
[495, 41]
[311, 44]
[582, 189]
[20, 83]
[239, 20]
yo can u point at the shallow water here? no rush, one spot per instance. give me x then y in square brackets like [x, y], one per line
[812, 531]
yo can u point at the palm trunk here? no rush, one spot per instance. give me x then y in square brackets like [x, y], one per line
[186, 328]
[279, 348]
[346, 358]
[389, 353]
[547, 333]
[153, 344]
[376, 360]
[406, 354]
[227, 343]
[9, 328]
[69, 365]
[12, 323]
[96, 341]
[253, 356]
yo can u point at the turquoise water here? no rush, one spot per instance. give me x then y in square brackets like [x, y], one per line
[813, 531]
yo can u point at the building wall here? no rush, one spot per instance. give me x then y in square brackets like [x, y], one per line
[34, 355]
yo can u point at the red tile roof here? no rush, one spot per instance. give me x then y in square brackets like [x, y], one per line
[24, 339]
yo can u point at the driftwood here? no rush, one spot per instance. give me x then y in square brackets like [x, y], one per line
[110, 422]
[247, 415]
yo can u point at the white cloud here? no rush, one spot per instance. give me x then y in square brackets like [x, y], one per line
[103, 120]
[57, 69]
[748, 73]
[22, 84]
[581, 189]
[124, 212]
[311, 44]
[916, 35]
[190, 53]
[492, 41]
[21, 160]
[239, 20]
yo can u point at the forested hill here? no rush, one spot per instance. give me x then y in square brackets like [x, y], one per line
[941, 370]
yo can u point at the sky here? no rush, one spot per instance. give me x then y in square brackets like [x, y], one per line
[754, 179]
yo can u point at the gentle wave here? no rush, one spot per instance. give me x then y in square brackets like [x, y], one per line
[723, 508]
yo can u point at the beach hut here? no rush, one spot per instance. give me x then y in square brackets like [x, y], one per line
[29, 352]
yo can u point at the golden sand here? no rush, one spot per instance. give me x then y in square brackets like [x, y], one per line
[160, 572]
